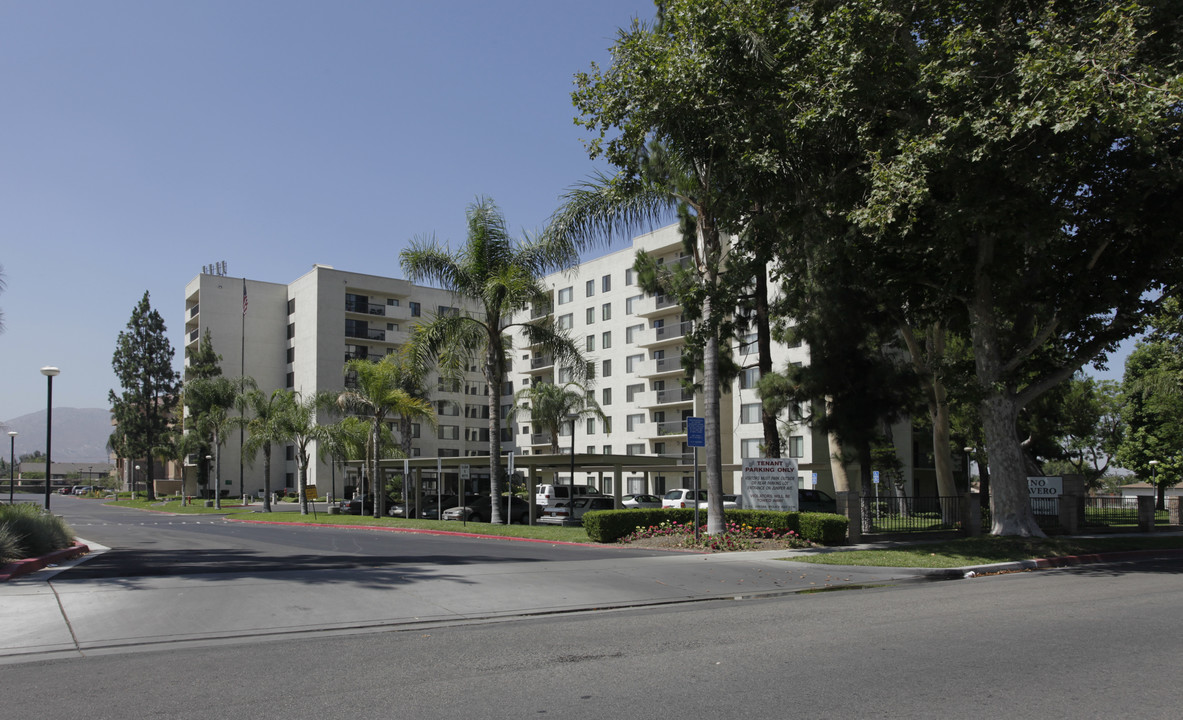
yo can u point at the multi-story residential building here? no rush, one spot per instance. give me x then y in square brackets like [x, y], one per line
[298, 336]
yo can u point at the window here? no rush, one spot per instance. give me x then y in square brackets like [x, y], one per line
[392, 326]
[414, 430]
[749, 378]
[591, 428]
[291, 330]
[606, 311]
[630, 304]
[449, 432]
[632, 361]
[796, 446]
[291, 380]
[291, 306]
[629, 276]
[748, 345]
[636, 449]
[631, 392]
[606, 396]
[751, 448]
[607, 450]
[749, 413]
[591, 343]
[291, 354]
[289, 452]
[606, 368]
[590, 369]
[590, 316]
[565, 295]
[606, 340]
[446, 407]
[392, 302]
[630, 333]
[565, 322]
[606, 283]
[591, 449]
[607, 426]
[566, 375]
[416, 310]
[591, 288]
[632, 422]
[448, 311]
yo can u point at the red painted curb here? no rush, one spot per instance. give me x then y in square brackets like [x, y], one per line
[416, 531]
[28, 565]
[1093, 558]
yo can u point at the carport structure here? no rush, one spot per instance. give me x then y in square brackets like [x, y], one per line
[536, 469]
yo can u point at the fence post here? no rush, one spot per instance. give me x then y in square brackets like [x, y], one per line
[1175, 508]
[851, 506]
[1146, 513]
[971, 514]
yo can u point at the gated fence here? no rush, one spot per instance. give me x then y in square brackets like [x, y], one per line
[892, 515]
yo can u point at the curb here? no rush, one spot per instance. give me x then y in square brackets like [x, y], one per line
[29, 565]
[1048, 563]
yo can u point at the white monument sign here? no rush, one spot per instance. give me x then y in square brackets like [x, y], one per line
[770, 484]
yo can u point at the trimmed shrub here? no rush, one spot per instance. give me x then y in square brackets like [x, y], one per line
[824, 528]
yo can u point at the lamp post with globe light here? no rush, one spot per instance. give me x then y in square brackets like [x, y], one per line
[49, 372]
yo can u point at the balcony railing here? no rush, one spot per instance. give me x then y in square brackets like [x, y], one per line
[194, 334]
[673, 396]
[367, 334]
[668, 364]
[193, 311]
[541, 362]
[669, 332]
[365, 308]
[539, 312]
[676, 427]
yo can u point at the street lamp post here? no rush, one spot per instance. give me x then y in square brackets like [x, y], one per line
[135, 476]
[11, 463]
[49, 372]
[1154, 481]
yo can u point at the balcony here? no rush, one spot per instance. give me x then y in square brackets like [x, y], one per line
[656, 306]
[665, 335]
[674, 396]
[673, 427]
[365, 308]
[193, 311]
[193, 336]
[367, 334]
[539, 364]
[540, 312]
[679, 458]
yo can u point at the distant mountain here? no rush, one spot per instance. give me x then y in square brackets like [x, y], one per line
[79, 434]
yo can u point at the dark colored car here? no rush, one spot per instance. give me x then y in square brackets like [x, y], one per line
[481, 509]
[358, 506]
[815, 501]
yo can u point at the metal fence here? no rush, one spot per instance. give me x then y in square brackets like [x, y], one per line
[911, 514]
[1117, 512]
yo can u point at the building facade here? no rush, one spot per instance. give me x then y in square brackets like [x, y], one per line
[298, 336]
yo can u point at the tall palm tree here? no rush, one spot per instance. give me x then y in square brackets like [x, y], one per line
[502, 277]
[379, 396]
[300, 424]
[266, 428]
[607, 207]
[551, 407]
[210, 400]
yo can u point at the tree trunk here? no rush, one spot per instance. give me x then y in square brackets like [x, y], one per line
[302, 483]
[764, 348]
[267, 477]
[837, 461]
[493, 377]
[217, 471]
[1010, 501]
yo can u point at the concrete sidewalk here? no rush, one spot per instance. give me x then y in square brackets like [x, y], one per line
[49, 615]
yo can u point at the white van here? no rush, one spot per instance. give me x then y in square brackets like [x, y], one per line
[554, 494]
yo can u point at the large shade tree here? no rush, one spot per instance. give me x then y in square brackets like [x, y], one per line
[501, 277]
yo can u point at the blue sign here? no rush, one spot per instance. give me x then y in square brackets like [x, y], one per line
[696, 432]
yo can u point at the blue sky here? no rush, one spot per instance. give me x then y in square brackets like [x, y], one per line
[144, 139]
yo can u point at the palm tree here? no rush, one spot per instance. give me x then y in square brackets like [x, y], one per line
[300, 425]
[346, 440]
[552, 406]
[502, 278]
[210, 400]
[266, 428]
[610, 206]
[378, 395]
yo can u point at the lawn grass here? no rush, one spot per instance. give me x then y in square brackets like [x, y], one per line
[989, 550]
[538, 532]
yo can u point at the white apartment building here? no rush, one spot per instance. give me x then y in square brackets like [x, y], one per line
[298, 336]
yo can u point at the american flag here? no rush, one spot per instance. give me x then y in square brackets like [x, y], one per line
[244, 296]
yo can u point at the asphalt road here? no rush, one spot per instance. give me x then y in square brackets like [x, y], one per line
[1092, 642]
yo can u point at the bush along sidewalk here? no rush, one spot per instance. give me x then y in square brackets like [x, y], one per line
[27, 531]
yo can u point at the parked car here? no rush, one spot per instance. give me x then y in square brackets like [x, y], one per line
[640, 501]
[432, 507]
[552, 494]
[684, 498]
[815, 501]
[481, 510]
[66, 490]
[82, 489]
[358, 506]
[572, 513]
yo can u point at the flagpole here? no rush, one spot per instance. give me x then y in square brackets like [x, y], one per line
[241, 380]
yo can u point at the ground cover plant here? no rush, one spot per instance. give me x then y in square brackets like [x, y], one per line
[734, 537]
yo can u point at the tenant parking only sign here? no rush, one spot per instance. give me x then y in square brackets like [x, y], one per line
[770, 484]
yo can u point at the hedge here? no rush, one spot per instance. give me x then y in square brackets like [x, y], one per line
[606, 526]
